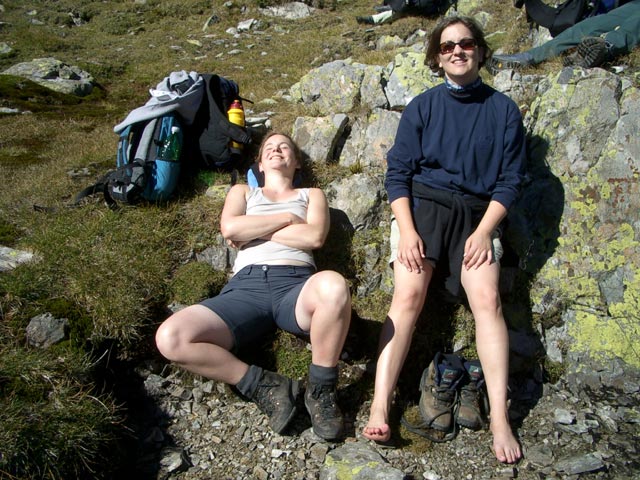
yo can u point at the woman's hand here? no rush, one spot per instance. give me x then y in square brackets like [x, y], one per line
[411, 251]
[237, 244]
[478, 250]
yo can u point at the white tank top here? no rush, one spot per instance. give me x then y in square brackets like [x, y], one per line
[258, 252]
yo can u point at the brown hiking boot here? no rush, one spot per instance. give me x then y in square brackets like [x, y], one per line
[591, 52]
[439, 395]
[276, 398]
[326, 417]
[470, 410]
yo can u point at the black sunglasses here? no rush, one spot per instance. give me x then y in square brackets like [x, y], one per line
[465, 44]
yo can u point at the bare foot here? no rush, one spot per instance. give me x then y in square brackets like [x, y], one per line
[377, 428]
[377, 434]
[505, 445]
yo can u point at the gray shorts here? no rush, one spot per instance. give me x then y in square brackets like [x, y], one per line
[260, 298]
[394, 239]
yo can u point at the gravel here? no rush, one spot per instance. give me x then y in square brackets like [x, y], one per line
[187, 427]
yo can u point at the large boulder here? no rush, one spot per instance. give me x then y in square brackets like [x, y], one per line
[55, 75]
[582, 211]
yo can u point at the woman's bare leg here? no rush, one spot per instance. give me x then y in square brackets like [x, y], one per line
[492, 340]
[324, 310]
[198, 340]
[395, 339]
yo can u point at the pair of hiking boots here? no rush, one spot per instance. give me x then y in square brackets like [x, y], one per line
[276, 397]
[452, 393]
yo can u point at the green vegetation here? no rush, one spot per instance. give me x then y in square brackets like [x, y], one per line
[54, 425]
[112, 274]
[196, 281]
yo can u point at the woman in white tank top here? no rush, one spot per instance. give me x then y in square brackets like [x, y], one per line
[275, 228]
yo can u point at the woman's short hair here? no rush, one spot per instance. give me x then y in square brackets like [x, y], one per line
[297, 153]
[433, 43]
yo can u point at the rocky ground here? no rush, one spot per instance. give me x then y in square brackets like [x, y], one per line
[190, 428]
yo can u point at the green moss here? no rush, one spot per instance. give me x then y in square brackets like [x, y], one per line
[80, 324]
[553, 370]
[292, 355]
[196, 281]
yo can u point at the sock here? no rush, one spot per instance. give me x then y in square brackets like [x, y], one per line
[323, 375]
[248, 384]
[382, 17]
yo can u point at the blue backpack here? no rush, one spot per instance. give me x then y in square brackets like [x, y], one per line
[147, 163]
[183, 127]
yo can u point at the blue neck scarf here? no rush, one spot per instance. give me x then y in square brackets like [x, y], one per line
[466, 91]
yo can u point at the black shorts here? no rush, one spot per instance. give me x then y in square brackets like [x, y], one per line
[260, 298]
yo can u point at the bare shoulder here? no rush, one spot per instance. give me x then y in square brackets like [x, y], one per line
[316, 193]
[239, 189]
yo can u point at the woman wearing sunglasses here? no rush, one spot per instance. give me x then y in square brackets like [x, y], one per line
[454, 170]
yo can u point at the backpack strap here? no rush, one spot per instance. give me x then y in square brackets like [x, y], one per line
[119, 182]
[146, 141]
[233, 131]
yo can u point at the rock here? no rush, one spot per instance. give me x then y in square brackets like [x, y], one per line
[318, 137]
[331, 88]
[579, 464]
[174, 460]
[55, 75]
[359, 196]
[46, 330]
[289, 11]
[356, 461]
[5, 49]
[10, 258]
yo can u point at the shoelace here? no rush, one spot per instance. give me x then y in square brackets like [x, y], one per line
[326, 399]
[266, 400]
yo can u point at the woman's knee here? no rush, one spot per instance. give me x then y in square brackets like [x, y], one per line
[485, 297]
[168, 339]
[332, 288]
[409, 297]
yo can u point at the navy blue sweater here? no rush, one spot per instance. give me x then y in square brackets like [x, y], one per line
[472, 145]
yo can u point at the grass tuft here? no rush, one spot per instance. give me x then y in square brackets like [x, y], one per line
[53, 423]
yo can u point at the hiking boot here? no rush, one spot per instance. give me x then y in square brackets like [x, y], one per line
[516, 61]
[591, 52]
[275, 396]
[439, 395]
[367, 20]
[470, 411]
[326, 417]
